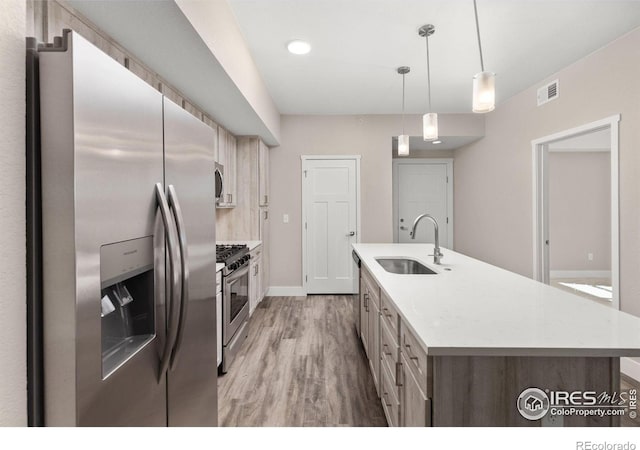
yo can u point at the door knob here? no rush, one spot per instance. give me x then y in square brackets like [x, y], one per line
[351, 233]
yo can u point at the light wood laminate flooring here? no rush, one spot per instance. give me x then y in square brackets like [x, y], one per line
[302, 365]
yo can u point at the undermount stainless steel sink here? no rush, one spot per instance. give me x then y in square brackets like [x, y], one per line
[404, 266]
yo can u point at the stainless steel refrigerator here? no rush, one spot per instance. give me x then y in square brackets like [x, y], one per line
[128, 248]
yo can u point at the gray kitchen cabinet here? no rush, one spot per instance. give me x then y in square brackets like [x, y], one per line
[256, 289]
[398, 363]
[389, 397]
[416, 381]
[364, 316]
[227, 156]
[372, 319]
[416, 407]
[263, 173]
[264, 237]
[219, 316]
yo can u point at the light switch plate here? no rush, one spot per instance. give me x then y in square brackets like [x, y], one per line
[285, 218]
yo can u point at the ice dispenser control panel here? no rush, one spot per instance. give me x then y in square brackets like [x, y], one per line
[126, 300]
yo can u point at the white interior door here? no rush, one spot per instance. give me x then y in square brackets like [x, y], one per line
[330, 224]
[423, 188]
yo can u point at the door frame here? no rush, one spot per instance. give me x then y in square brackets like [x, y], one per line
[304, 160]
[396, 201]
[540, 150]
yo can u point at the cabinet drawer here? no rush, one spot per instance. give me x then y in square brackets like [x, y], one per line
[389, 353]
[416, 407]
[218, 282]
[416, 358]
[390, 316]
[390, 402]
[371, 287]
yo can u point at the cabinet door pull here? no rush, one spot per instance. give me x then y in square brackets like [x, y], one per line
[385, 396]
[410, 353]
[399, 374]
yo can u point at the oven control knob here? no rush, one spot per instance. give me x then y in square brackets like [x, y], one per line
[233, 266]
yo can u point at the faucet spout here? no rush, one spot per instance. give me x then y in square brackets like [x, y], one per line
[437, 254]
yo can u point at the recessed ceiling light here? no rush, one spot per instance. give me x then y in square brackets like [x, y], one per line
[436, 142]
[299, 47]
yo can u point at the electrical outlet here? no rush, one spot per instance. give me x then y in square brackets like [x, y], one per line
[590, 256]
[285, 218]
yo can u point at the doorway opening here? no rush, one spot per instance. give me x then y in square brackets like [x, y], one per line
[576, 211]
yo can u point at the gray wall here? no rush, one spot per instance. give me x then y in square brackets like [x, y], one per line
[580, 210]
[13, 378]
[494, 180]
[369, 136]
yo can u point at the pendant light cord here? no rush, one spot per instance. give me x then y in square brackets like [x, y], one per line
[475, 10]
[428, 75]
[403, 103]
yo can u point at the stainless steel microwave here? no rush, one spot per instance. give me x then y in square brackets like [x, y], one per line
[219, 174]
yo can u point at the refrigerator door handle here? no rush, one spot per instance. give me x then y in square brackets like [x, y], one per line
[174, 205]
[170, 235]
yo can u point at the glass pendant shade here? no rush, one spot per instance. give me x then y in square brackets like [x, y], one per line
[484, 92]
[430, 126]
[403, 145]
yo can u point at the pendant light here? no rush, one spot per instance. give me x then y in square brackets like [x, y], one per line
[484, 83]
[429, 120]
[403, 139]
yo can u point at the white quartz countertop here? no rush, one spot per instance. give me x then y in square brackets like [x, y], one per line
[479, 309]
[219, 267]
[250, 244]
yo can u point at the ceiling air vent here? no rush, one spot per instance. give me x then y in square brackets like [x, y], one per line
[548, 92]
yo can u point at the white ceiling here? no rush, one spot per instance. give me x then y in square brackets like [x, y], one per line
[358, 44]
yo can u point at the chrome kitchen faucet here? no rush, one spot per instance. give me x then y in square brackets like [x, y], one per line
[437, 254]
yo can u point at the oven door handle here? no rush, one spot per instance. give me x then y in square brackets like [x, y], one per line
[174, 205]
[170, 236]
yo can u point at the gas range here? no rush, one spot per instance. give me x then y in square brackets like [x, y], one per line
[235, 299]
[232, 256]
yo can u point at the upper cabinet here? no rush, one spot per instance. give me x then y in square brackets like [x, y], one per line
[263, 173]
[227, 156]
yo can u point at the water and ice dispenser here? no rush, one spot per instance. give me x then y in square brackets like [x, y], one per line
[127, 300]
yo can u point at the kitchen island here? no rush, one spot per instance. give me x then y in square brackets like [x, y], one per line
[472, 337]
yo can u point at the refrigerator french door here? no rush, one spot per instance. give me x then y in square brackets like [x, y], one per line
[128, 271]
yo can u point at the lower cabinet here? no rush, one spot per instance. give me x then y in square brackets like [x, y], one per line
[389, 397]
[256, 291]
[416, 408]
[399, 365]
[374, 342]
[364, 316]
[370, 323]
[219, 316]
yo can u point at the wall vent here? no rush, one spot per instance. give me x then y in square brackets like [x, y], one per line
[548, 92]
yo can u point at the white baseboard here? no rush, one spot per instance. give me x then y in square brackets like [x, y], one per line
[630, 368]
[580, 274]
[286, 291]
